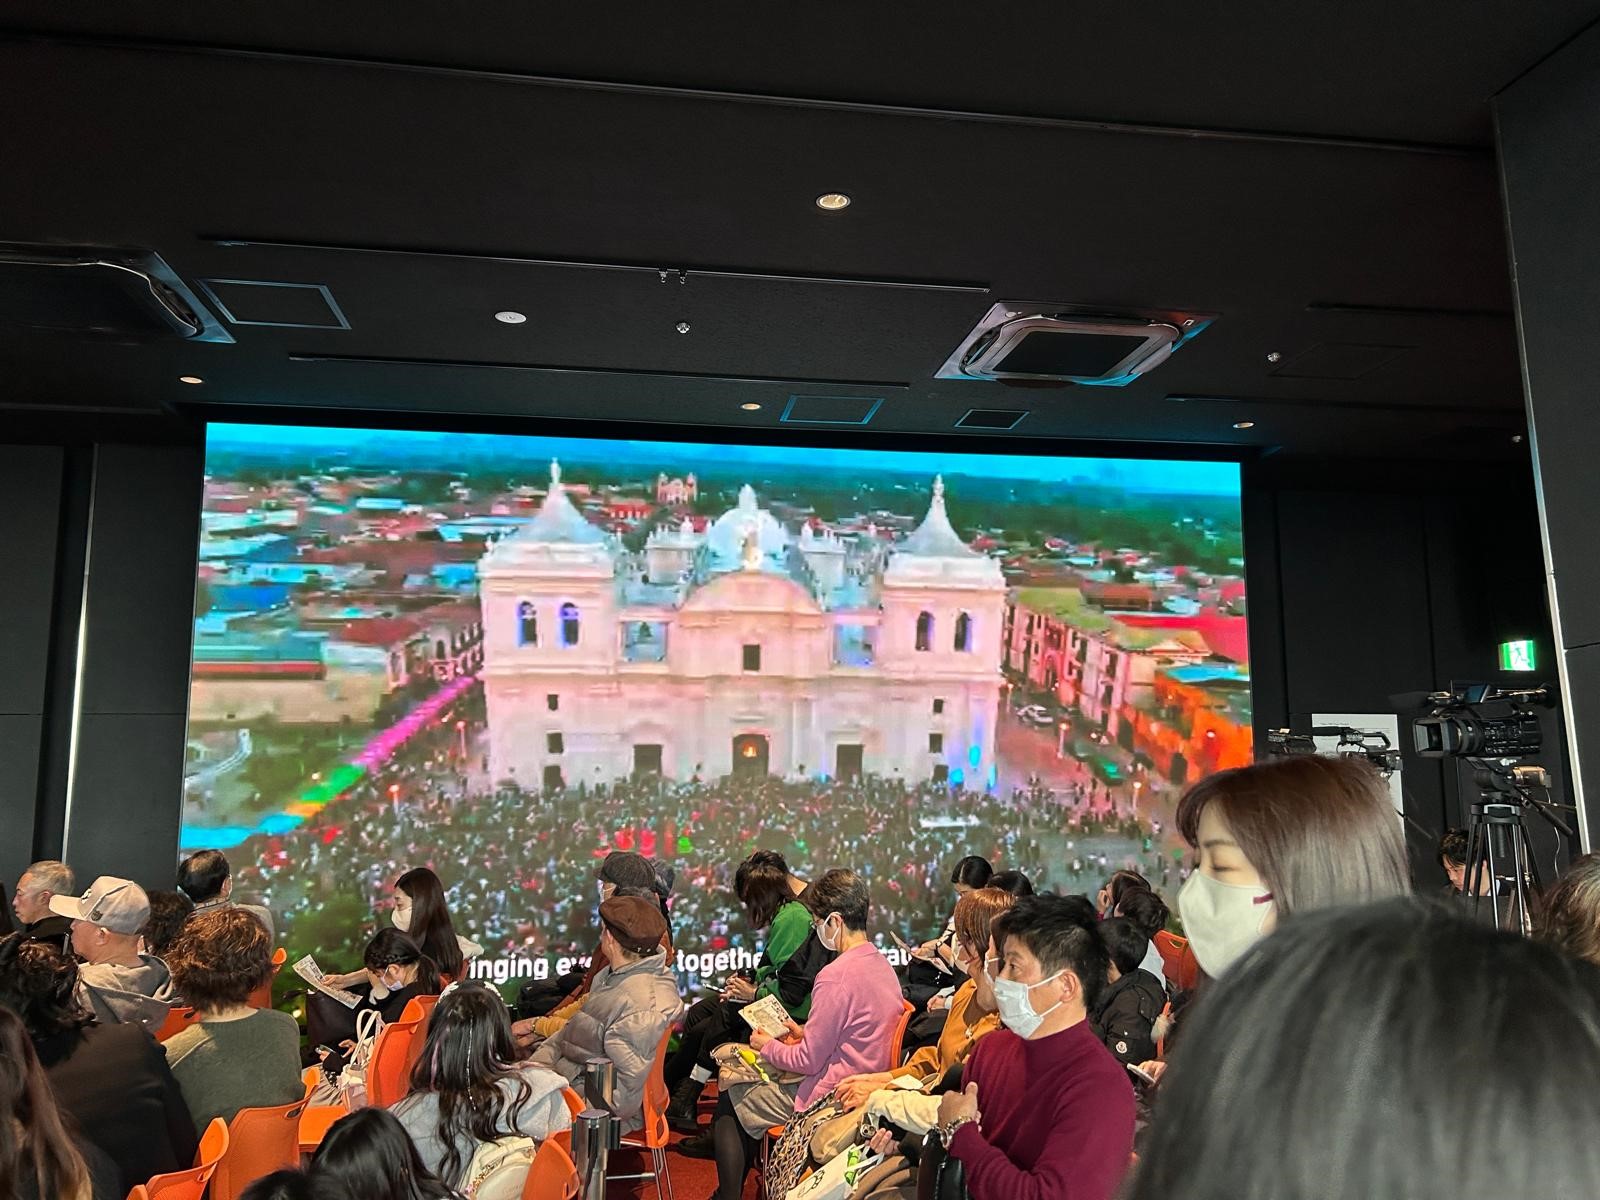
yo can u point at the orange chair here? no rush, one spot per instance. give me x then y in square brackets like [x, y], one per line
[1162, 1020]
[573, 1101]
[420, 1010]
[316, 1119]
[178, 1019]
[139, 1192]
[1178, 963]
[653, 1137]
[388, 1076]
[897, 1043]
[262, 996]
[191, 1184]
[260, 1141]
[552, 1175]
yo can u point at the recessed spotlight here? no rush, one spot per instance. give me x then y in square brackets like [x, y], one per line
[510, 318]
[1274, 357]
[190, 379]
[833, 201]
[750, 406]
[1244, 424]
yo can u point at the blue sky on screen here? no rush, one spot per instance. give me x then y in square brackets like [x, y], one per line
[457, 450]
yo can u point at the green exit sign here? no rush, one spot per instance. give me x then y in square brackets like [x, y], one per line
[1517, 656]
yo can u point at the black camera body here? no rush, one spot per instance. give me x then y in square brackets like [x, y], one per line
[1457, 729]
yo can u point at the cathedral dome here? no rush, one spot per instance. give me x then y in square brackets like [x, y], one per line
[729, 533]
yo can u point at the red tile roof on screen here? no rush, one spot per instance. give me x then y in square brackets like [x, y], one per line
[379, 631]
[1228, 637]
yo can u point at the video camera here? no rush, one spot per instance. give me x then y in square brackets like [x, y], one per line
[1456, 728]
[1371, 745]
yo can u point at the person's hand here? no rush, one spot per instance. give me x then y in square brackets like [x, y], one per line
[795, 1033]
[882, 1142]
[853, 1090]
[1153, 1068]
[758, 1039]
[958, 1106]
[740, 990]
[926, 950]
[523, 1032]
[937, 1002]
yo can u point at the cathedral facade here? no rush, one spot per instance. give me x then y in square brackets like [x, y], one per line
[747, 649]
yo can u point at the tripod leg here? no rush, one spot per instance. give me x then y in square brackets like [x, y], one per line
[1474, 847]
[1494, 879]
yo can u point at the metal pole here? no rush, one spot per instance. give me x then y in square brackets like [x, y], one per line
[591, 1145]
[599, 1087]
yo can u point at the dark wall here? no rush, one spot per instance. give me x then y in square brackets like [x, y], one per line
[94, 637]
[1368, 581]
[1548, 127]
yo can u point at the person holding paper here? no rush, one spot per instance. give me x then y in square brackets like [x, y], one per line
[394, 970]
[854, 1007]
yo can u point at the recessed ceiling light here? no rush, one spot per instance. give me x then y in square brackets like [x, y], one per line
[510, 318]
[1244, 424]
[833, 201]
[751, 406]
[190, 379]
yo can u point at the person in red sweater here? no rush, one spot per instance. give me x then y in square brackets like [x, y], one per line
[1046, 1112]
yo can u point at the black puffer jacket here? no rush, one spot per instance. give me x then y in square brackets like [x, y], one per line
[1128, 1009]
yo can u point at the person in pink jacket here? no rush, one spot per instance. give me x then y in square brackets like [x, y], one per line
[855, 1004]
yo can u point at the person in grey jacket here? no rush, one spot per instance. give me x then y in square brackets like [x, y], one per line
[631, 1004]
[117, 983]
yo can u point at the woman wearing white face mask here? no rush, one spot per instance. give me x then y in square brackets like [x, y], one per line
[1286, 836]
[393, 971]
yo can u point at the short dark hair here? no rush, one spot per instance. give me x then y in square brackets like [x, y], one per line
[973, 871]
[1253, 1072]
[1146, 910]
[202, 874]
[168, 912]
[389, 946]
[840, 891]
[1123, 882]
[1053, 930]
[1125, 943]
[280, 1185]
[1014, 882]
[1453, 848]
[369, 1154]
[762, 886]
[219, 958]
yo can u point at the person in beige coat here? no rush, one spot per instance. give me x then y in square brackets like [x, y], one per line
[631, 1004]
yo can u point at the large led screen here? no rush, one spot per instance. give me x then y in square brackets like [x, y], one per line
[505, 656]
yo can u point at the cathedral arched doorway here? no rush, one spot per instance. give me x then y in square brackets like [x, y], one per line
[750, 756]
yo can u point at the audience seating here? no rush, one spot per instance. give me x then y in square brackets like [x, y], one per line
[178, 1019]
[897, 1043]
[190, 1184]
[654, 1136]
[260, 1141]
[573, 1101]
[388, 1071]
[552, 1176]
[1161, 1022]
[1177, 960]
[419, 1009]
[316, 1119]
[262, 996]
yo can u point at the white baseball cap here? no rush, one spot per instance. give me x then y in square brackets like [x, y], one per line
[119, 905]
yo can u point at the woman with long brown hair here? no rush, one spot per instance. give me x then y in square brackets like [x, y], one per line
[40, 1159]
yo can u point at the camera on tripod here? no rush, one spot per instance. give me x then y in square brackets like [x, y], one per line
[1457, 728]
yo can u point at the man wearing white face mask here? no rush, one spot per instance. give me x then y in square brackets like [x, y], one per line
[1047, 1113]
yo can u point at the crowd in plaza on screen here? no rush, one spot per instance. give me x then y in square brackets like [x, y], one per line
[1313, 1005]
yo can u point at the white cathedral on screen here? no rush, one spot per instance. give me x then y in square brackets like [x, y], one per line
[748, 649]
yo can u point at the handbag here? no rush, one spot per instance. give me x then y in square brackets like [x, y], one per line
[353, 1079]
[792, 1152]
[837, 1178]
[939, 1175]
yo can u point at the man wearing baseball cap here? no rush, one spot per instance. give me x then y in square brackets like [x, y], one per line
[631, 1004]
[117, 981]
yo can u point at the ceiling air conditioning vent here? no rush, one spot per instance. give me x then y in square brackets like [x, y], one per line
[1061, 343]
[97, 292]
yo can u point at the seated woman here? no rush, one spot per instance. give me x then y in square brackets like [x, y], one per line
[420, 912]
[973, 1014]
[467, 1089]
[1376, 1051]
[41, 1158]
[930, 976]
[234, 1056]
[630, 1005]
[112, 1079]
[854, 1007]
[1126, 1014]
[368, 1156]
[787, 969]
[395, 971]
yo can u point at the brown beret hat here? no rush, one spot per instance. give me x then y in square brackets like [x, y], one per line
[635, 922]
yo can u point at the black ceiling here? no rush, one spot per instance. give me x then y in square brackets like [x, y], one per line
[1322, 180]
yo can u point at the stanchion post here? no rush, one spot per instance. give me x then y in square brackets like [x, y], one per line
[599, 1086]
[591, 1147]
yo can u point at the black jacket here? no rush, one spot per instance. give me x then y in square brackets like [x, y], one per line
[57, 930]
[115, 1082]
[1126, 1013]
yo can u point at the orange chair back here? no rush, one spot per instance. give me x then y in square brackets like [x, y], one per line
[420, 1010]
[140, 1192]
[178, 1019]
[1177, 961]
[552, 1175]
[573, 1101]
[262, 996]
[1162, 1021]
[388, 1072]
[897, 1043]
[260, 1141]
[656, 1098]
[191, 1184]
